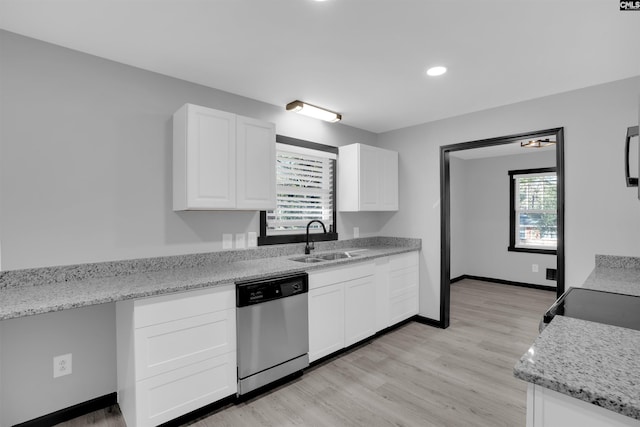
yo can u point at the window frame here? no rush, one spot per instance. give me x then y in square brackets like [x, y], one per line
[512, 213]
[263, 239]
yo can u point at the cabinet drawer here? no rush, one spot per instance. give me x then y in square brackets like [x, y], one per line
[175, 393]
[171, 345]
[318, 279]
[400, 261]
[402, 307]
[166, 308]
[403, 282]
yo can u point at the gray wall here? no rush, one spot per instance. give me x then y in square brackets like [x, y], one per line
[28, 347]
[86, 164]
[601, 213]
[480, 209]
[85, 176]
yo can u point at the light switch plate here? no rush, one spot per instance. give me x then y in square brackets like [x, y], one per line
[241, 242]
[252, 239]
[227, 241]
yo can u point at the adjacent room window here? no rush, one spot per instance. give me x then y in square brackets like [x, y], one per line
[306, 188]
[534, 211]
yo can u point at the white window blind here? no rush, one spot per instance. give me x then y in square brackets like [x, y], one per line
[536, 210]
[304, 187]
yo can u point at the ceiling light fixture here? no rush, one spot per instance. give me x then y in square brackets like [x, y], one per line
[313, 111]
[436, 71]
[539, 143]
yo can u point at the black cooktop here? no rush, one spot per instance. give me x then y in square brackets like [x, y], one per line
[597, 306]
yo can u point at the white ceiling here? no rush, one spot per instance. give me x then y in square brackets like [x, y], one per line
[363, 58]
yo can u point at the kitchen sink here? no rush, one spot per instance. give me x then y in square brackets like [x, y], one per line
[334, 255]
[331, 256]
[307, 259]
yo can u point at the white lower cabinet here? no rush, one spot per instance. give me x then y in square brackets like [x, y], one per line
[326, 320]
[336, 317]
[176, 353]
[349, 304]
[403, 287]
[548, 408]
[359, 309]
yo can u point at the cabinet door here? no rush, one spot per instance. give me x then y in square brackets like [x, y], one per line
[360, 309]
[326, 320]
[389, 180]
[209, 159]
[369, 178]
[256, 164]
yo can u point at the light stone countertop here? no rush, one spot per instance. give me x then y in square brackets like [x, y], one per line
[620, 281]
[591, 361]
[44, 290]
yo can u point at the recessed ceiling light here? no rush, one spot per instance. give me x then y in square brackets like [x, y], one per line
[436, 71]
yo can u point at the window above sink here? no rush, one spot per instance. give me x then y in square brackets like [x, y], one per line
[305, 191]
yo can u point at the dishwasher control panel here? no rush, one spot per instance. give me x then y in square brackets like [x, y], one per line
[263, 290]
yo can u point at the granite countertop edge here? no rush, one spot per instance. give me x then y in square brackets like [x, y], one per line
[591, 361]
[48, 291]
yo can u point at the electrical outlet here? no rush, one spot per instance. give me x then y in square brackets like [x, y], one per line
[62, 365]
[356, 232]
[240, 241]
[227, 241]
[534, 268]
[252, 239]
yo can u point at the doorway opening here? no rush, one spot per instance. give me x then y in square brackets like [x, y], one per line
[555, 134]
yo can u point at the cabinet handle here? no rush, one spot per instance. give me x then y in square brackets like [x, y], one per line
[631, 132]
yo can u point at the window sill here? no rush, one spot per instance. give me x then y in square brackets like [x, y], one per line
[533, 250]
[296, 238]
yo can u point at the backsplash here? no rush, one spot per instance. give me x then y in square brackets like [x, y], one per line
[614, 261]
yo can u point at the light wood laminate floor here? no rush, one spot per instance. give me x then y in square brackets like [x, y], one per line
[416, 375]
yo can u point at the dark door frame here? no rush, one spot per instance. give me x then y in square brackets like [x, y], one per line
[445, 208]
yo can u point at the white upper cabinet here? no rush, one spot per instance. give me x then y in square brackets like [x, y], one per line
[222, 161]
[204, 159]
[367, 179]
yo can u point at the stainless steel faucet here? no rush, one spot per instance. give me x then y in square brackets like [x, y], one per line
[307, 248]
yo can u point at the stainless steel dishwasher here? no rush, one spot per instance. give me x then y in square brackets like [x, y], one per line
[273, 329]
